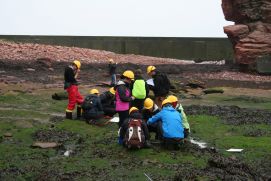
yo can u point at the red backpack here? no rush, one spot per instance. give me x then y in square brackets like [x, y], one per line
[134, 137]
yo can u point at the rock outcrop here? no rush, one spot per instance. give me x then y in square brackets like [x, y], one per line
[251, 34]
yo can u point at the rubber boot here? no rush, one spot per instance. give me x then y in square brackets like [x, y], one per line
[79, 112]
[68, 115]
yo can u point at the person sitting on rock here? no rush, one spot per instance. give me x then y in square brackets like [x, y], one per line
[133, 131]
[177, 105]
[92, 107]
[169, 129]
[108, 102]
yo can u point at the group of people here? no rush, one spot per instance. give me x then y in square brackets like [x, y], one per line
[129, 98]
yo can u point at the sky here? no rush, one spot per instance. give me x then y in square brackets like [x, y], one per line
[144, 18]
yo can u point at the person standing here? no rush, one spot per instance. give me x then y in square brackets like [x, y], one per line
[112, 72]
[123, 95]
[161, 84]
[71, 86]
[140, 90]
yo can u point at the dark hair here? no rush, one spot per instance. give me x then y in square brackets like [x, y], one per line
[138, 72]
[167, 104]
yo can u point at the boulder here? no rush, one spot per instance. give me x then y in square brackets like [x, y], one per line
[45, 144]
[251, 34]
[8, 134]
[44, 62]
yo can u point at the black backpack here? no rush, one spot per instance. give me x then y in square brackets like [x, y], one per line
[161, 84]
[134, 137]
[88, 102]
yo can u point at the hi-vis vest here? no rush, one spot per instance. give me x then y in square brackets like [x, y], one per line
[139, 89]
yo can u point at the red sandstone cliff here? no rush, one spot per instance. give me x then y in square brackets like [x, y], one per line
[251, 34]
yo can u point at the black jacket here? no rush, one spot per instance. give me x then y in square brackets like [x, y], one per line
[69, 77]
[146, 114]
[96, 107]
[107, 99]
[161, 84]
[125, 124]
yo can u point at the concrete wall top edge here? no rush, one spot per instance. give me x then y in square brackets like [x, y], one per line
[114, 37]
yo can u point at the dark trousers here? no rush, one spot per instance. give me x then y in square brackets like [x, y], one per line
[185, 132]
[122, 116]
[138, 103]
[109, 111]
[157, 128]
[97, 115]
[113, 80]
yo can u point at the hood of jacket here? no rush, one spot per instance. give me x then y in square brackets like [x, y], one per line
[169, 108]
[120, 82]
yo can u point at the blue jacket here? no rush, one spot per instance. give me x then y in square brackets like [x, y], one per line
[171, 122]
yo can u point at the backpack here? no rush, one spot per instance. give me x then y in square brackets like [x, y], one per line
[134, 137]
[161, 84]
[139, 89]
[88, 103]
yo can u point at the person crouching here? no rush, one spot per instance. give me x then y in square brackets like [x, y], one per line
[133, 131]
[108, 102]
[92, 107]
[170, 129]
[178, 106]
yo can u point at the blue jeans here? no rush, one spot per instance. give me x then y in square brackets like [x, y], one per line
[113, 80]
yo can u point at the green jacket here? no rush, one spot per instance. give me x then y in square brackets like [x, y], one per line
[179, 108]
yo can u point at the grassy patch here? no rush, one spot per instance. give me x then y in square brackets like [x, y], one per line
[223, 137]
[228, 100]
[96, 152]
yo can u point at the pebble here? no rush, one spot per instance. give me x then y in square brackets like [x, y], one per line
[30, 70]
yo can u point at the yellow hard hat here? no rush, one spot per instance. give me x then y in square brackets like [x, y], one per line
[94, 91]
[150, 68]
[148, 103]
[172, 98]
[129, 74]
[111, 60]
[112, 90]
[77, 63]
[166, 101]
[132, 109]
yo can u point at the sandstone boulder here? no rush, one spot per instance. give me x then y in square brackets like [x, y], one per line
[251, 34]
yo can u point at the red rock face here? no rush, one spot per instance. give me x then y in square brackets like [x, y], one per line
[251, 34]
